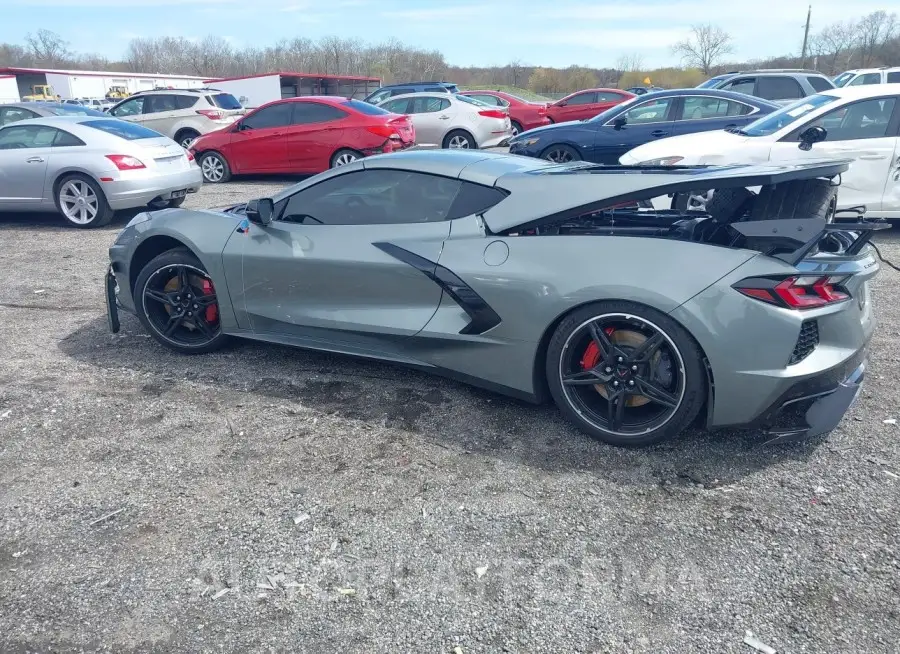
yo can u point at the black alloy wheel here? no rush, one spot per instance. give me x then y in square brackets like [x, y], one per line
[625, 377]
[177, 303]
[560, 154]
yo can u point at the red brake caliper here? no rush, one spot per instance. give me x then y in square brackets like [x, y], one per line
[591, 355]
[212, 311]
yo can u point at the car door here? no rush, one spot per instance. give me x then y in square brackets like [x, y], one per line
[160, 113]
[314, 135]
[644, 122]
[604, 100]
[890, 207]
[577, 107]
[131, 109]
[432, 116]
[704, 113]
[320, 271]
[259, 140]
[24, 155]
[864, 131]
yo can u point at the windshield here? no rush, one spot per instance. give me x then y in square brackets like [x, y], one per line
[365, 108]
[613, 111]
[842, 79]
[122, 129]
[786, 115]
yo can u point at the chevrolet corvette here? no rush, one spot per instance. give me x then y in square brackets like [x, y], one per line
[538, 280]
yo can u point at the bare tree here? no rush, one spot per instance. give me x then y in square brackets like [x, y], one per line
[48, 47]
[834, 46]
[874, 31]
[516, 72]
[628, 63]
[703, 49]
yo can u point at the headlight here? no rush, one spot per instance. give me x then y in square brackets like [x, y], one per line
[662, 161]
[526, 142]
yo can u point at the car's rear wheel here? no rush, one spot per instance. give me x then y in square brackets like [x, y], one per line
[560, 154]
[459, 140]
[81, 202]
[625, 373]
[185, 137]
[344, 157]
[214, 167]
[176, 302]
[516, 128]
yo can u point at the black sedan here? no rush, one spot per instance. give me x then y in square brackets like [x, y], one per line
[607, 136]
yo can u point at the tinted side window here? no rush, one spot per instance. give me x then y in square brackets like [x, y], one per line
[428, 105]
[819, 83]
[15, 114]
[378, 96]
[651, 111]
[131, 107]
[741, 85]
[26, 136]
[397, 106]
[779, 88]
[64, 139]
[474, 199]
[155, 104]
[608, 96]
[894, 77]
[306, 113]
[702, 107]
[582, 98]
[868, 78]
[185, 101]
[867, 119]
[374, 197]
[277, 115]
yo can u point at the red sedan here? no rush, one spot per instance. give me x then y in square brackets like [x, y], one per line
[582, 105]
[523, 115]
[301, 135]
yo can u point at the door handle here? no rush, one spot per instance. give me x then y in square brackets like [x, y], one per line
[658, 132]
[872, 157]
[444, 117]
[34, 160]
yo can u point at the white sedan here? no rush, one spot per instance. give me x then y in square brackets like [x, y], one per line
[862, 123]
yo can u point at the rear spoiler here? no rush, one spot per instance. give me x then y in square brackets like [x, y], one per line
[802, 235]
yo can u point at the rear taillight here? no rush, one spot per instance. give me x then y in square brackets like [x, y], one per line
[384, 131]
[189, 154]
[126, 162]
[542, 110]
[212, 114]
[492, 113]
[797, 292]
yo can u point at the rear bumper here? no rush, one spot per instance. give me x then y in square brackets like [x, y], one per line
[814, 406]
[137, 191]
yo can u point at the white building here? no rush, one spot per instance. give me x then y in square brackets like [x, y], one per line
[88, 83]
[9, 91]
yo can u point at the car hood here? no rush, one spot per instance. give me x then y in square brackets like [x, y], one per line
[689, 146]
[548, 130]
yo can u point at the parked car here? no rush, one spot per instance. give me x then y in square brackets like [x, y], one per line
[180, 114]
[530, 279]
[859, 122]
[523, 114]
[393, 90]
[864, 76]
[301, 135]
[88, 167]
[451, 120]
[585, 104]
[782, 86]
[14, 111]
[606, 137]
[642, 90]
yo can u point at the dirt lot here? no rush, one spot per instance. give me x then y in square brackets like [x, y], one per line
[265, 499]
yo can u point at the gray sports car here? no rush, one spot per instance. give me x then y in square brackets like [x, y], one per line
[537, 280]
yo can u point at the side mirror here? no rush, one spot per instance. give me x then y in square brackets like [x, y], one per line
[619, 122]
[260, 211]
[814, 134]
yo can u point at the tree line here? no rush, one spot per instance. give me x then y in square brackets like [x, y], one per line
[872, 40]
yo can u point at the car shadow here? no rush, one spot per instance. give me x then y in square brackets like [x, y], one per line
[55, 222]
[452, 415]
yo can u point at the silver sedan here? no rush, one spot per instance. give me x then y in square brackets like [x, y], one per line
[88, 167]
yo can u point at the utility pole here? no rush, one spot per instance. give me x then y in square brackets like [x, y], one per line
[805, 38]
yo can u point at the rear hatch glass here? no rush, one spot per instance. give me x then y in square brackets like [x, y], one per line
[224, 101]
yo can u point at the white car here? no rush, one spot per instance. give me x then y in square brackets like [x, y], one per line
[863, 76]
[862, 124]
[450, 120]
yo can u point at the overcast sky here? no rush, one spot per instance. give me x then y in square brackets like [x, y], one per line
[468, 32]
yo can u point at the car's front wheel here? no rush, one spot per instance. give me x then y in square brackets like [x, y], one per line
[625, 373]
[560, 154]
[176, 302]
[82, 202]
[214, 167]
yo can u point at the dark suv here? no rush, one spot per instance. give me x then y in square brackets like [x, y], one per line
[781, 86]
[391, 90]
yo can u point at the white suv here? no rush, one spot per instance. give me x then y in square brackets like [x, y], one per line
[180, 114]
[865, 76]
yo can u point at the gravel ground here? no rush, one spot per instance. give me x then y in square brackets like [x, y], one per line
[264, 499]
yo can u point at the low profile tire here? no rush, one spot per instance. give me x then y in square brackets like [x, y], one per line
[459, 140]
[185, 137]
[176, 302]
[344, 157]
[82, 202]
[560, 154]
[625, 374]
[215, 168]
[516, 128]
[728, 205]
[802, 198]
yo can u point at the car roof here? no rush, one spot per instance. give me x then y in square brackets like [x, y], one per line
[57, 121]
[388, 86]
[715, 93]
[865, 91]
[420, 94]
